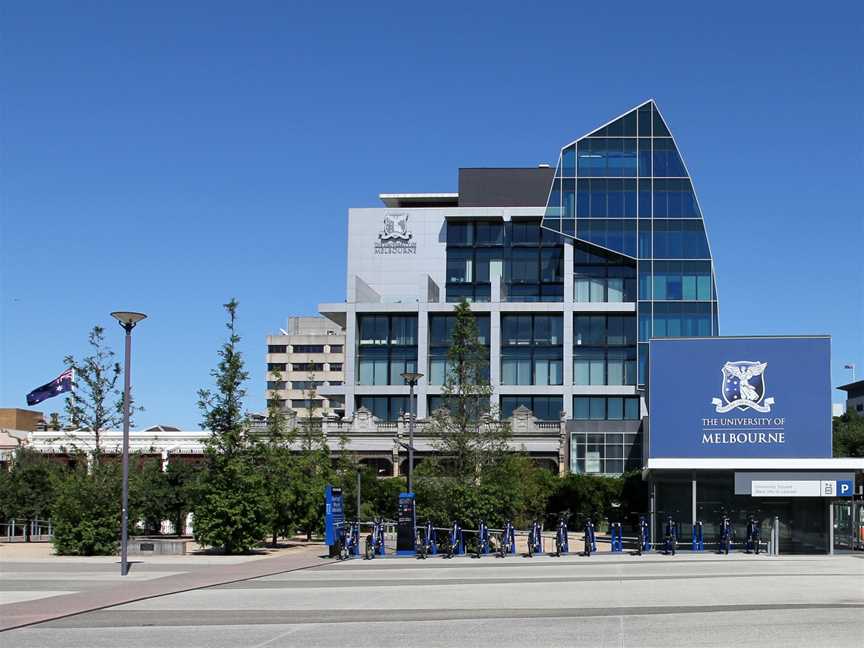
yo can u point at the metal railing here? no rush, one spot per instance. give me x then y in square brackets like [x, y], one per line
[21, 531]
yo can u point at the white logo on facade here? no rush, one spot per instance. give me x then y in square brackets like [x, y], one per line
[743, 387]
[395, 238]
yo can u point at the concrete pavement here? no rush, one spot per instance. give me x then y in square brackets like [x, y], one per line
[605, 600]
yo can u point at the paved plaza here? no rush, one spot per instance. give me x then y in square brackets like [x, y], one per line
[605, 600]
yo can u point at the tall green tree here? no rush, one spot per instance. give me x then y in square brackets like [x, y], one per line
[278, 466]
[233, 510]
[848, 434]
[465, 481]
[96, 401]
[28, 491]
[86, 510]
[468, 433]
[313, 470]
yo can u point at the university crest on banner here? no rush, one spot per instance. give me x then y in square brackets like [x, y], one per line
[743, 387]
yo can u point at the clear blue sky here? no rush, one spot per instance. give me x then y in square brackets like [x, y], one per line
[166, 156]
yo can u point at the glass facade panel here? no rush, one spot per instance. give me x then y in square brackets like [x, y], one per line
[387, 348]
[545, 408]
[633, 196]
[531, 349]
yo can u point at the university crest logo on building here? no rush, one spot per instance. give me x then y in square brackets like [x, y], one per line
[395, 238]
[395, 228]
[743, 387]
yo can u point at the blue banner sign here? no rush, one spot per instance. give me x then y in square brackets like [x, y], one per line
[740, 397]
[334, 513]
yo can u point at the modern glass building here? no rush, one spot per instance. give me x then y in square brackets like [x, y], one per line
[625, 192]
[570, 271]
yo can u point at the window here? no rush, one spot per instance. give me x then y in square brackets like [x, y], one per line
[681, 280]
[602, 408]
[306, 384]
[307, 403]
[277, 366]
[387, 349]
[440, 336]
[275, 384]
[307, 366]
[531, 350]
[335, 366]
[277, 348]
[336, 348]
[386, 408]
[545, 408]
[602, 278]
[529, 261]
[608, 453]
[307, 348]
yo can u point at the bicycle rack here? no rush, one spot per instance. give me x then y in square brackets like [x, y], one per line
[616, 538]
[698, 539]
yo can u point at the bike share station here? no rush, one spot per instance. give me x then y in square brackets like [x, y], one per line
[738, 459]
[739, 444]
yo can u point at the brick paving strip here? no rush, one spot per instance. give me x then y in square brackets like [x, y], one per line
[25, 613]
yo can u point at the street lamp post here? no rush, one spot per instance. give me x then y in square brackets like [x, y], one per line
[411, 377]
[127, 320]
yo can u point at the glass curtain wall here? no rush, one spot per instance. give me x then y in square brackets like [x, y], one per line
[532, 350]
[386, 348]
[604, 349]
[624, 188]
[440, 339]
[528, 259]
[609, 453]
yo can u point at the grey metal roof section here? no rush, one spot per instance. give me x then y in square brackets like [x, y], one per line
[511, 187]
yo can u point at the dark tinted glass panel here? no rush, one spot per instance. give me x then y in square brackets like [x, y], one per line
[489, 233]
[569, 161]
[459, 233]
[659, 125]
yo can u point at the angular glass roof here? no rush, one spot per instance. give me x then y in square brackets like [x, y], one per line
[624, 188]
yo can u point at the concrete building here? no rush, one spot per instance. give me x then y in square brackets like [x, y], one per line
[307, 355]
[566, 311]
[20, 419]
[854, 397]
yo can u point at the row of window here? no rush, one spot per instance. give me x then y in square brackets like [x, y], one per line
[301, 384]
[497, 234]
[307, 366]
[517, 265]
[672, 198]
[546, 408]
[604, 366]
[676, 280]
[604, 330]
[605, 453]
[304, 348]
[599, 157]
[671, 319]
[606, 408]
[387, 330]
[519, 330]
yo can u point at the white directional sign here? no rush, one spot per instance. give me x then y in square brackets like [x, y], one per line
[799, 488]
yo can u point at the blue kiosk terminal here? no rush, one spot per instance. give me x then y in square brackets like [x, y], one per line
[741, 427]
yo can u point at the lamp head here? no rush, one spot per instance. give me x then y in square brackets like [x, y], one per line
[128, 319]
[411, 377]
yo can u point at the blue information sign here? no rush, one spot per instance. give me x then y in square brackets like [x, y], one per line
[334, 513]
[740, 397]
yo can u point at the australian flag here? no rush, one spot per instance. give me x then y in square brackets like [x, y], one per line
[60, 385]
